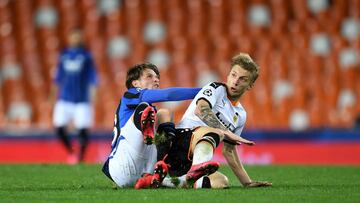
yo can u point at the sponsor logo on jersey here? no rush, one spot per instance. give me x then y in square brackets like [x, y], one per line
[223, 120]
[74, 65]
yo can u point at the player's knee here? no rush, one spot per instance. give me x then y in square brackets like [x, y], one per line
[219, 182]
[141, 107]
[163, 115]
[212, 138]
[137, 114]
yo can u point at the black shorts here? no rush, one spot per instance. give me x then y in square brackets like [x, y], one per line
[178, 156]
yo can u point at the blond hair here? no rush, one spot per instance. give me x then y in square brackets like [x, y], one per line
[245, 61]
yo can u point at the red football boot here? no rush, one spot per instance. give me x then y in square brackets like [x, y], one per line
[148, 118]
[160, 171]
[199, 170]
[144, 181]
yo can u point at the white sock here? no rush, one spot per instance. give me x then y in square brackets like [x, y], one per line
[174, 182]
[198, 183]
[203, 152]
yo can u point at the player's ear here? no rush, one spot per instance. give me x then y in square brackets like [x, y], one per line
[250, 86]
[135, 83]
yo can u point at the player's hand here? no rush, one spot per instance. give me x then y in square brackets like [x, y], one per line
[258, 184]
[245, 141]
[237, 139]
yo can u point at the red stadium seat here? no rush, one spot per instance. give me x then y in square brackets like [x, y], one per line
[196, 31]
[2, 114]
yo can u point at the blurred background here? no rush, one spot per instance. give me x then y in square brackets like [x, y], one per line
[308, 51]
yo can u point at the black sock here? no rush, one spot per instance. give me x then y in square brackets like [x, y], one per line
[206, 182]
[163, 149]
[62, 134]
[163, 146]
[83, 141]
[168, 128]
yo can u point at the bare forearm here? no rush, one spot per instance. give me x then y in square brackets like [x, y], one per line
[206, 114]
[235, 164]
[241, 174]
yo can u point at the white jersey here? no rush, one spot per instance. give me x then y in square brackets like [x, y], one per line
[232, 117]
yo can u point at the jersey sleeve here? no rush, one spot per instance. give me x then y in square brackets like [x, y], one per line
[211, 93]
[169, 94]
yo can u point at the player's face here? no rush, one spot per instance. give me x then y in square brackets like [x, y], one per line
[238, 81]
[75, 38]
[148, 80]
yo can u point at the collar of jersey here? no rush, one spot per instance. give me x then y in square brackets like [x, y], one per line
[135, 89]
[234, 103]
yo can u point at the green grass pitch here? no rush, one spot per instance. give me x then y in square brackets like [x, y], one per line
[86, 183]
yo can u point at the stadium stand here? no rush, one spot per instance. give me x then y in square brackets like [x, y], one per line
[308, 52]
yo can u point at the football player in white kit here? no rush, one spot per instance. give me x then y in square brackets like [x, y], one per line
[132, 152]
[214, 115]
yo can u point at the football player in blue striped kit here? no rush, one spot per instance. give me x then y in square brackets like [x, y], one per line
[76, 80]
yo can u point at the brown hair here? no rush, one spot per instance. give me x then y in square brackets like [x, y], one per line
[245, 61]
[135, 72]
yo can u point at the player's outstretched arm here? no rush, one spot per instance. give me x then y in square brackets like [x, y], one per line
[231, 156]
[169, 94]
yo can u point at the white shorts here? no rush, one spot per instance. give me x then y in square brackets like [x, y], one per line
[80, 113]
[131, 157]
[127, 165]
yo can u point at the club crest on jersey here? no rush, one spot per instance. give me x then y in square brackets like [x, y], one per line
[236, 117]
[207, 92]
